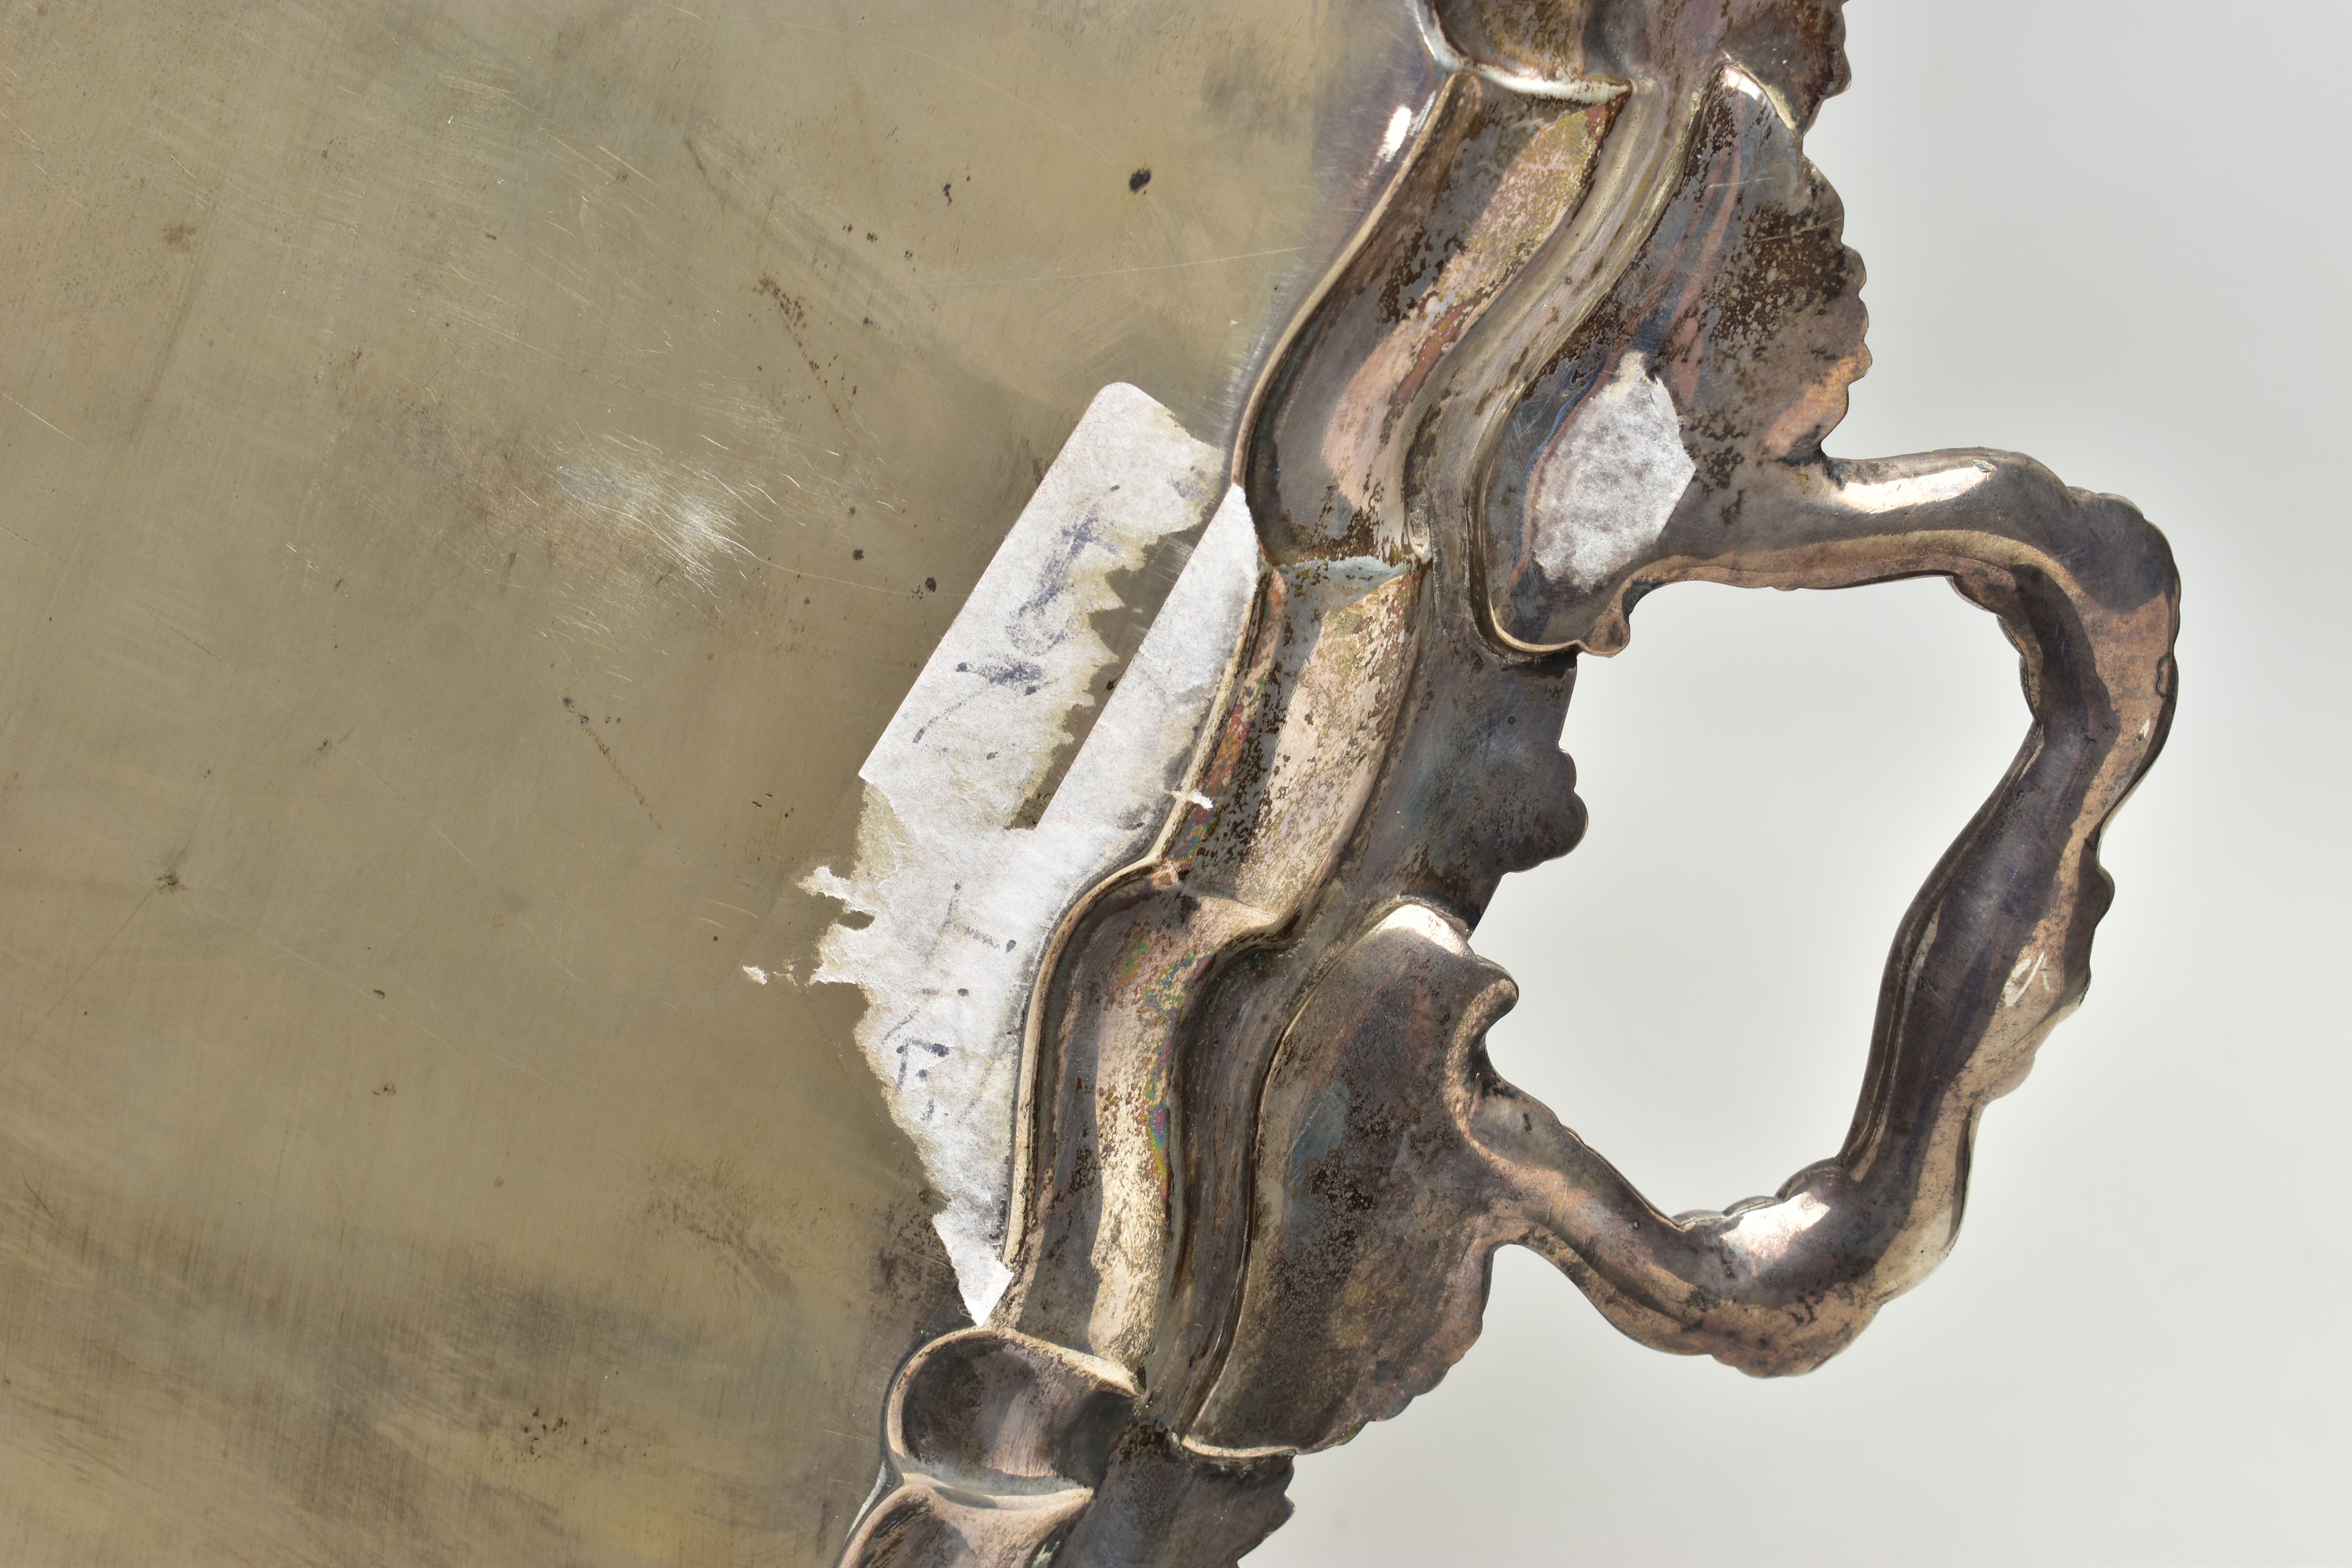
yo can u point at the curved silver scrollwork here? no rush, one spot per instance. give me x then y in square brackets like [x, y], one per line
[1587, 345]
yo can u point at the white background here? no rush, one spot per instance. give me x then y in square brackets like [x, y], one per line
[2112, 236]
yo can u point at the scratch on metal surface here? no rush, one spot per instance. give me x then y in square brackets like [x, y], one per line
[1123, 271]
[7, 720]
[66, 995]
[32, 543]
[674, 513]
[618, 772]
[356, 989]
[29, 411]
[549, 953]
[1009, 96]
[412, 805]
[21, 131]
[631, 168]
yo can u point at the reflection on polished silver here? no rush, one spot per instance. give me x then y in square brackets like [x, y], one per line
[1588, 344]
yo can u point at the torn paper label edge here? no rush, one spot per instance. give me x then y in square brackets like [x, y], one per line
[963, 902]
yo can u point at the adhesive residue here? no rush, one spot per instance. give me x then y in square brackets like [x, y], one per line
[1603, 488]
[964, 901]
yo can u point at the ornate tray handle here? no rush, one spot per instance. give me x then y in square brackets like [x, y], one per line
[1588, 345]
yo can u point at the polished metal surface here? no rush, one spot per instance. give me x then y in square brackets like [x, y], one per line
[1587, 345]
[474, 480]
